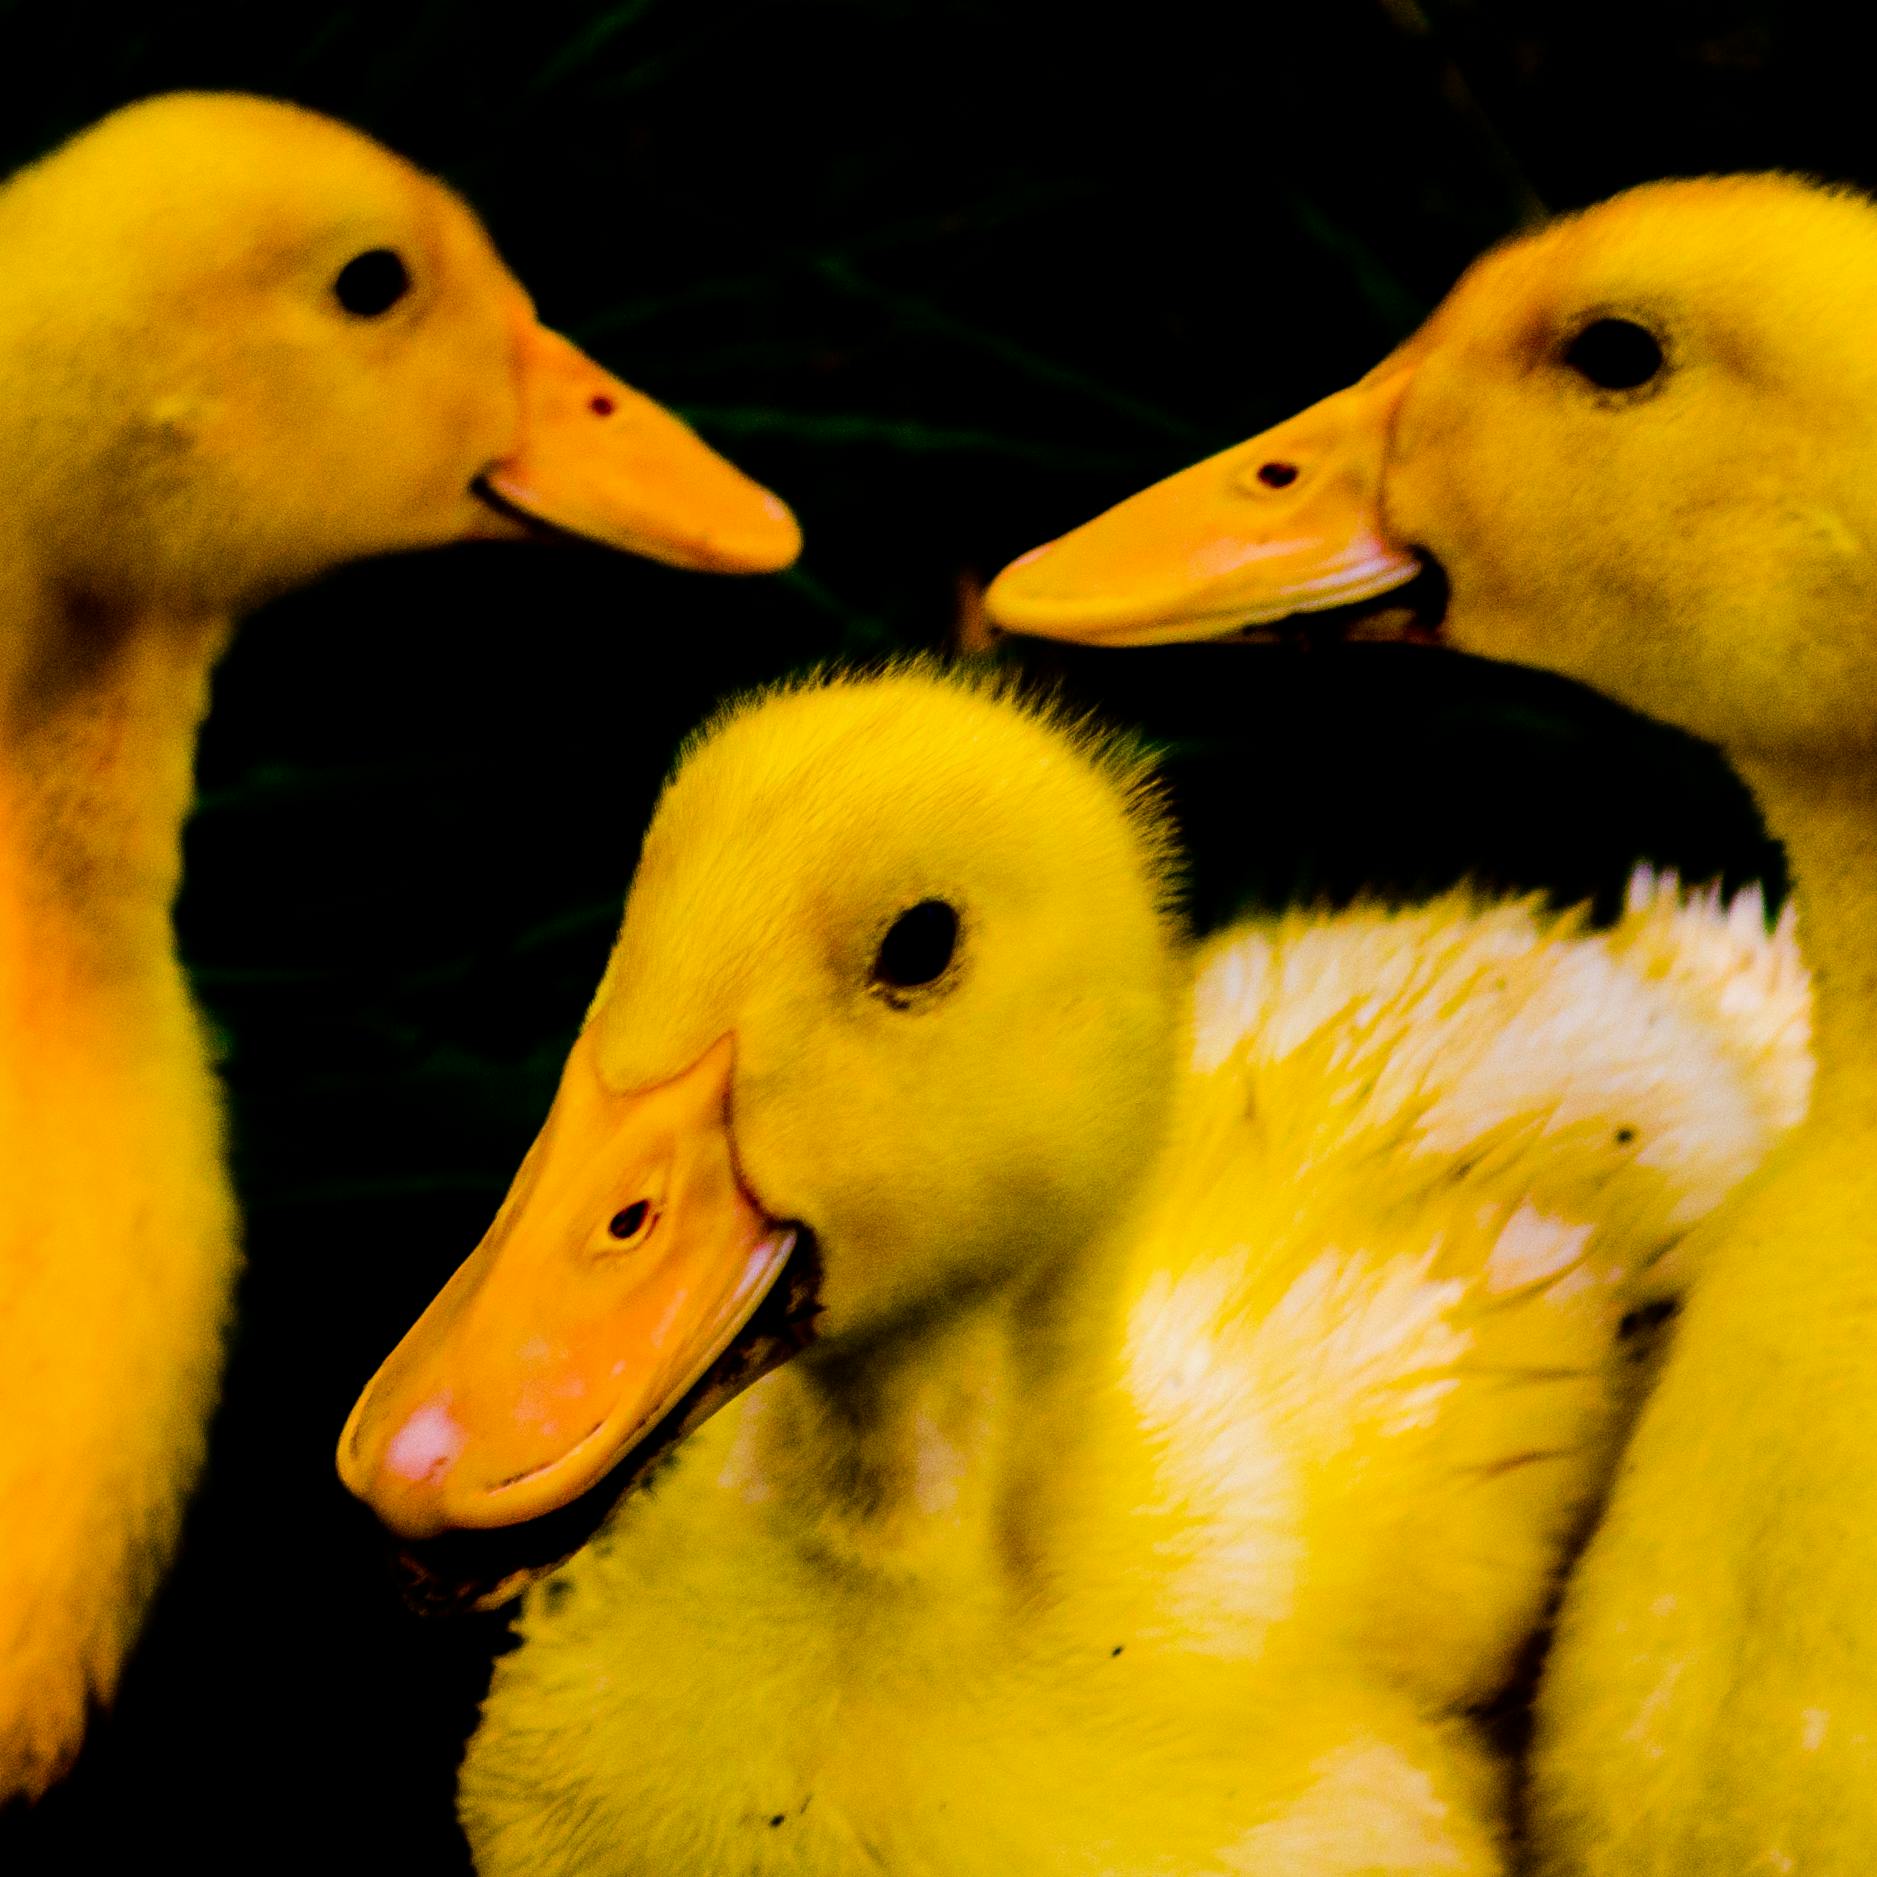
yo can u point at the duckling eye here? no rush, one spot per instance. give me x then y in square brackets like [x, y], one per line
[631, 1222]
[919, 944]
[1615, 354]
[372, 283]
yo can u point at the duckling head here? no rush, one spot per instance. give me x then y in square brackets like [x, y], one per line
[891, 1011]
[244, 343]
[1638, 446]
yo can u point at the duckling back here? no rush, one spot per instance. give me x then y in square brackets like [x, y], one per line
[1435, 1161]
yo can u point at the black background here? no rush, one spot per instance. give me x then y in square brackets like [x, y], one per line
[951, 275]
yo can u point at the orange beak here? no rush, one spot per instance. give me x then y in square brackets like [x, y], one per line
[620, 1268]
[1290, 522]
[602, 460]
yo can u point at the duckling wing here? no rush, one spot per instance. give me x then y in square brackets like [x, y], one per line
[1430, 1164]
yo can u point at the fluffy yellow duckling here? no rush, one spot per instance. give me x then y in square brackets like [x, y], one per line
[1202, 1358]
[239, 344]
[1641, 447]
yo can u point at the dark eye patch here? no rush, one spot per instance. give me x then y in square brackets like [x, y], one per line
[372, 283]
[1615, 354]
[918, 945]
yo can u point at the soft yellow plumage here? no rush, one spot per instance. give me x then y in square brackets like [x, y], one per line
[197, 411]
[1218, 1352]
[1712, 1703]
[1641, 445]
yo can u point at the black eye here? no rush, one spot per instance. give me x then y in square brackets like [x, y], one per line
[626, 1224]
[372, 283]
[917, 947]
[1615, 354]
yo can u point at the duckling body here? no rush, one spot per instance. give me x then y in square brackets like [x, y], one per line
[1711, 1701]
[111, 1136]
[1639, 446]
[1218, 1350]
[204, 401]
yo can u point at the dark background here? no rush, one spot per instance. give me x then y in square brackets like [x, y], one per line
[951, 275]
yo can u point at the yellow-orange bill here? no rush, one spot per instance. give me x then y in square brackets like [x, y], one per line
[1290, 522]
[600, 459]
[623, 1263]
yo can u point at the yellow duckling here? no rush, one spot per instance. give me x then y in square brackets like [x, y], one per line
[239, 344]
[1641, 448]
[1203, 1357]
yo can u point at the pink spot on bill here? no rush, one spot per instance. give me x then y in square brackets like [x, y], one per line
[425, 1444]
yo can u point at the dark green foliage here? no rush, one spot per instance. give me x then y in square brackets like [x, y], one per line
[952, 275]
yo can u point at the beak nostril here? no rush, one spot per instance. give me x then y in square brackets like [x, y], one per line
[601, 405]
[630, 1222]
[1277, 475]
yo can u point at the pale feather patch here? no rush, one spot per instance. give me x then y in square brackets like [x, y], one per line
[1230, 995]
[1683, 1032]
[1268, 993]
[1719, 1061]
[1233, 1550]
[1368, 1809]
[938, 1468]
[1533, 1246]
[743, 1471]
[1233, 1410]
[1748, 997]
[1750, 984]
[1645, 1731]
[1352, 1327]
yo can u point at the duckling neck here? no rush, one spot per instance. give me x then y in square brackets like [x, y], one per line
[1825, 815]
[99, 711]
[931, 1450]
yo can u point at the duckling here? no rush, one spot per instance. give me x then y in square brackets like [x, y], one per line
[1640, 448]
[1179, 1369]
[239, 344]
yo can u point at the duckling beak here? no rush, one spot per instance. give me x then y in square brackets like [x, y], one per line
[1290, 522]
[579, 1320]
[600, 459]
